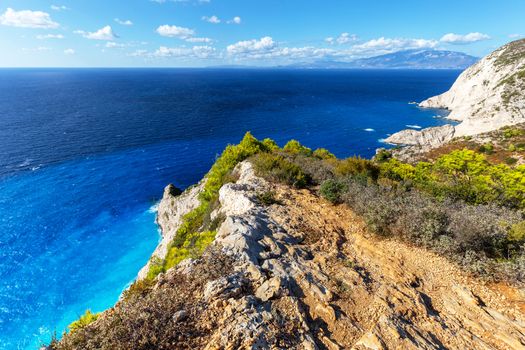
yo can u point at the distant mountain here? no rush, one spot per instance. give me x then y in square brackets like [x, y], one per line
[419, 59]
[407, 59]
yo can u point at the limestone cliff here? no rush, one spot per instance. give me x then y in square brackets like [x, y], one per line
[487, 96]
[300, 273]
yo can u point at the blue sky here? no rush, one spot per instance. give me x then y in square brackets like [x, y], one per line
[136, 33]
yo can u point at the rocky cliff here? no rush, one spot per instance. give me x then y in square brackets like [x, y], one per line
[487, 96]
[299, 273]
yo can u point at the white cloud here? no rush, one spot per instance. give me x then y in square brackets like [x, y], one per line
[50, 36]
[452, 38]
[59, 7]
[199, 40]
[175, 31]
[235, 20]
[126, 22]
[263, 45]
[515, 36]
[266, 48]
[105, 33]
[195, 52]
[343, 38]
[212, 19]
[27, 19]
[69, 52]
[387, 45]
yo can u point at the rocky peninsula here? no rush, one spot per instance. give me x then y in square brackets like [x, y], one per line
[487, 96]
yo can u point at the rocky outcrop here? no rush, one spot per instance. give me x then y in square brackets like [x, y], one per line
[426, 138]
[487, 96]
[172, 207]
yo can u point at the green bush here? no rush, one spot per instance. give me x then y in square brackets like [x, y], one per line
[487, 148]
[87, 318]
[383, 155]
[294, 147]
[356, 166]
[332, 190]
[323, 153]
[510, 132]
[276, 168]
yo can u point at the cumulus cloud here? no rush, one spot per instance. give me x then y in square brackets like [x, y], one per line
[515, 36]
[343, 38]
[247, 47]
[126, 22]
[387, 45]
[213, 19]
[69, 52]
[105, 33]
[175, 32]
[27, 19]
[49, 36]
[235, 20]
[452, 38]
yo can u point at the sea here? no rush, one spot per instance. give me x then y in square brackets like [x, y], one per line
[86, 153]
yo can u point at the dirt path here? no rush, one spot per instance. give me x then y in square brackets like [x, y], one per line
[390, 295]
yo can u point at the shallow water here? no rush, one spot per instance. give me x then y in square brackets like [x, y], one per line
[86, 153]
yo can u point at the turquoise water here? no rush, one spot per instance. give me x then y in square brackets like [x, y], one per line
[86, 155]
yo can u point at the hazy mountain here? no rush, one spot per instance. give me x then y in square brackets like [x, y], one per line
[408, 59]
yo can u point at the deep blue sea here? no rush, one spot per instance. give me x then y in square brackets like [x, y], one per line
[85, 154]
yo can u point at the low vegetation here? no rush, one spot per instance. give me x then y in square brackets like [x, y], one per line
[86, 319]
[460, 205]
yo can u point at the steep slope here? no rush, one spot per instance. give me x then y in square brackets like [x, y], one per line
[485, 97]
[303, 274]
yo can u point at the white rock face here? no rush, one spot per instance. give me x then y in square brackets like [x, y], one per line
[485, 97]
[169, 217]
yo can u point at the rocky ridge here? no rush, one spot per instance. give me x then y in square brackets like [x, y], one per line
[485, 97]
[304, 274]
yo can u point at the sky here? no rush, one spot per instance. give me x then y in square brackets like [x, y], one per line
[199, 33]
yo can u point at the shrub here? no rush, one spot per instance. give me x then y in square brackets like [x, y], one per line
[294, 147]
[487, 148]
[316, 169]
[323, 153]
[512, 148]
[510, 132]
[332, 190]
[276, 168]
[511, 160]
[356, 166]
[383, 155]
[87, 318]
[267, 198]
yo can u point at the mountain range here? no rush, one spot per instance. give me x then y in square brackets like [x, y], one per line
[406, 59]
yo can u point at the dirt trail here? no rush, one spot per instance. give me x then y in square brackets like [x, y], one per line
[390, 295]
